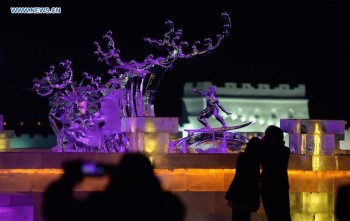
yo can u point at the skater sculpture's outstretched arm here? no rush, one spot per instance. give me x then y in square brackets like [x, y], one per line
[203, 93]
[222, 108]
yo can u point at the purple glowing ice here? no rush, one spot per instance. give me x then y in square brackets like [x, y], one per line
[86, 117]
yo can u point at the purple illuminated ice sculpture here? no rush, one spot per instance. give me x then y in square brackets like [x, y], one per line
[86, 117]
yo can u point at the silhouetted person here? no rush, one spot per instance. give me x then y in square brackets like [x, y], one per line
[134, 193]
[243, 194]
[274, 175]
[142, 195]
[342, 205]
[59, 203]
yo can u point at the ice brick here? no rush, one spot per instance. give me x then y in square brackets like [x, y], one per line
[5, 138]
[155, 142]
[302, 217]
[177, 180]
[342, 162]
[150, 124]
[205, 180]
[318, 203]
[310, 144]
[302, 181]
[296, 202]
[5, 143]
[300, 162]
[149, 142]
[324, 217]
[19, 182]
[323, 163]
[326, 181]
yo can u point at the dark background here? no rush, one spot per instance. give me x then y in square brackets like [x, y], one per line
[275, 42]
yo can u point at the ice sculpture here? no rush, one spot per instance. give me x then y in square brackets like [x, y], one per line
[211, 140]
[211, 109]
[85, 117]
[207, 139]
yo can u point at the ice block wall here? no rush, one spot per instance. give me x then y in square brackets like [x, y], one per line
[200, 180]
[313, 137]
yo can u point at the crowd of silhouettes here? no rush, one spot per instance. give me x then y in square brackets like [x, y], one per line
[133, 193]
[271, 184]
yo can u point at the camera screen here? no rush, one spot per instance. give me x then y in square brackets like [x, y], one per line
[92, 169]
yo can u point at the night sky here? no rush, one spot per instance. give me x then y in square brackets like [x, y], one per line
[275, 42]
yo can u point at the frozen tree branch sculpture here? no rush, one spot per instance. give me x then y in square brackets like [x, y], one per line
[85, 116]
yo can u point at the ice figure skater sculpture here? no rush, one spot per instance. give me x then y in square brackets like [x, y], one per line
[211, 109]
[208, 139]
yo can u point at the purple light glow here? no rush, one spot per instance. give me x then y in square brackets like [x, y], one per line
[16, 213]
[86, 117]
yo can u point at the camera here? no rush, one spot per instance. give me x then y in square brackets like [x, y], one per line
[92, 169]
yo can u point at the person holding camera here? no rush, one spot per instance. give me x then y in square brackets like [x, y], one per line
[59, 201]
[133, 193]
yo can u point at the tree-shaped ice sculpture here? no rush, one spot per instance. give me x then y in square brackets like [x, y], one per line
[86, 117]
